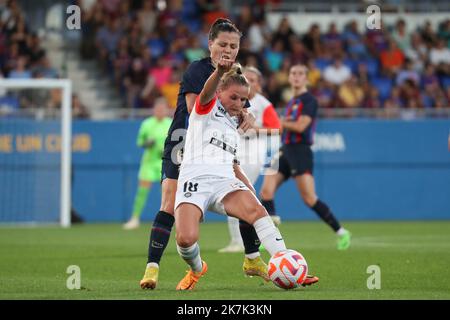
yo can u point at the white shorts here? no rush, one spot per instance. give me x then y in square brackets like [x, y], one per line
[207, 192]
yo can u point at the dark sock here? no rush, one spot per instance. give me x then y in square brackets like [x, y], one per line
[270, 207]
[326, 215]
[249, 237]
[159, 236]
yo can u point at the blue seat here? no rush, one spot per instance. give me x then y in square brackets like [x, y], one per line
[372, 67]
[352, 64]
[445, 82]
[384, 86]
[194, 25]
[156, 46]
[321, 63]
[9, 102]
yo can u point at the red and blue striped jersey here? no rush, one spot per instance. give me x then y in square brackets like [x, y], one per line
[304, 104]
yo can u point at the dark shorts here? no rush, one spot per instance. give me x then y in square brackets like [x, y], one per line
[295, 160]
[169, 169]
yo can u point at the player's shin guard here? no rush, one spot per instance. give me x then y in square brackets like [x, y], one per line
[159, 236]
[192, 256]
[324, 212]
[270, 235]
[249, 237]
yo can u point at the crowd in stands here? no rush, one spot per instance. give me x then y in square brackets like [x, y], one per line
[145, 50]
[145, 45]
[22, 57]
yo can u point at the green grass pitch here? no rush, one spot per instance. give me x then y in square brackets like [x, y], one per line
[414, 259]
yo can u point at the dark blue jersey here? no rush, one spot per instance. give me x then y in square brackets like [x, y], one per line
[192, 82]
[304, 104]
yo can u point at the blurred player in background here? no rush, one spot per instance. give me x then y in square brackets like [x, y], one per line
[296, 157]
[254, 146]
[151, 136]
[224, 40]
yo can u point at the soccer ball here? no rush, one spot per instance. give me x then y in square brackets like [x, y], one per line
[288, 269]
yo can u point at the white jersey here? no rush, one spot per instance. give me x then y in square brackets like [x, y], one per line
[254, 150]
[211, 143]
[258, 105]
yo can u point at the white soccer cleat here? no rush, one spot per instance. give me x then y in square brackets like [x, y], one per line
[132, 224]
[232, 247]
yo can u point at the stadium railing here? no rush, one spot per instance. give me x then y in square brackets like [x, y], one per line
[334, 113]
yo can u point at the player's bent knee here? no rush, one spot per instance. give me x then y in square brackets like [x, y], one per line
[186, 239]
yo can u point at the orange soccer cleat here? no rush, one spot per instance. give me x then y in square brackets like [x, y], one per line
[191, 278]
[310, 279]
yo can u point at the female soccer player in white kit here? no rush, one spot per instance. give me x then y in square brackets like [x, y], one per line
[255, 146]
[207, 180]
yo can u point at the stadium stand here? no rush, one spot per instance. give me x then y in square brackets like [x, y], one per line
[131, 52]
[168, 42]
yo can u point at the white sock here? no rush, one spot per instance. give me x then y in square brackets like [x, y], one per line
[233, 228]
[152, 264]
[268, 235]
[341, 231]
[192, 256]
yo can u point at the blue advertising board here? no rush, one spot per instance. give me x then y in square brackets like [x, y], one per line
[364, 169]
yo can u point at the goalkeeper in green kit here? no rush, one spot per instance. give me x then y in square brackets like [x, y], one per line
[152, 133]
